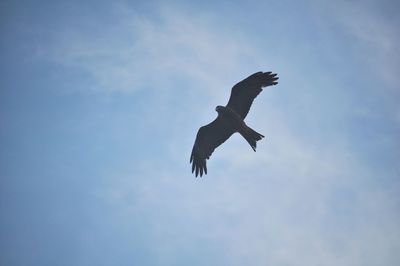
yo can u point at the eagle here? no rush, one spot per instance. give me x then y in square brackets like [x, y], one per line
[230, 120]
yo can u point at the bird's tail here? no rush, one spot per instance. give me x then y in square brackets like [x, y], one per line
[251, 136]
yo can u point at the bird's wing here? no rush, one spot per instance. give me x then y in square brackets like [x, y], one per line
[244, 92]
[208, 138]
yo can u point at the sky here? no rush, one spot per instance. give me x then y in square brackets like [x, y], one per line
[100, 103]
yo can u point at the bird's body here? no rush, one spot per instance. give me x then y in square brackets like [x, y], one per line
[230, 120]
[234, 122]
[229, 117]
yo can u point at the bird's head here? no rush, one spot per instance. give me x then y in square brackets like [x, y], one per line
[219, 108]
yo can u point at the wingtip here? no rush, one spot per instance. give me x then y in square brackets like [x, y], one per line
[199, 170]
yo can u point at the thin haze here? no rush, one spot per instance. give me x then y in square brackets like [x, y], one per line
[100, 104]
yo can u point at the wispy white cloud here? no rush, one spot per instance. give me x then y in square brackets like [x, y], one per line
[140, 51]
[375, 37]
[291, 203]
[303, 210]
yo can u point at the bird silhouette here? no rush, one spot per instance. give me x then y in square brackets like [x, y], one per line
[230, 120]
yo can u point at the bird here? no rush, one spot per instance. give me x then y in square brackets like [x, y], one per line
[230, 120]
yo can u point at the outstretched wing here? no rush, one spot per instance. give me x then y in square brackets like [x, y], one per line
[208, 138]
[244, 92]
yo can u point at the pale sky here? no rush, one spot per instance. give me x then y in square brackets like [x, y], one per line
[100, 103]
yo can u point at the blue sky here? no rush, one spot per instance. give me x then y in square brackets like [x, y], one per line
[100, 103]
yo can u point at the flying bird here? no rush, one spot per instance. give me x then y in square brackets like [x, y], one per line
[230, 120]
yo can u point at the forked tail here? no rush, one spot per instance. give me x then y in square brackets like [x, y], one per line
[251, 136]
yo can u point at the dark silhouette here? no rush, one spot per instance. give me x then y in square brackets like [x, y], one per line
[230, 120]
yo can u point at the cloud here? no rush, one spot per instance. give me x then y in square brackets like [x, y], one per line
[296, 207]
[374, 35]
[294, 202]
[143, 51]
